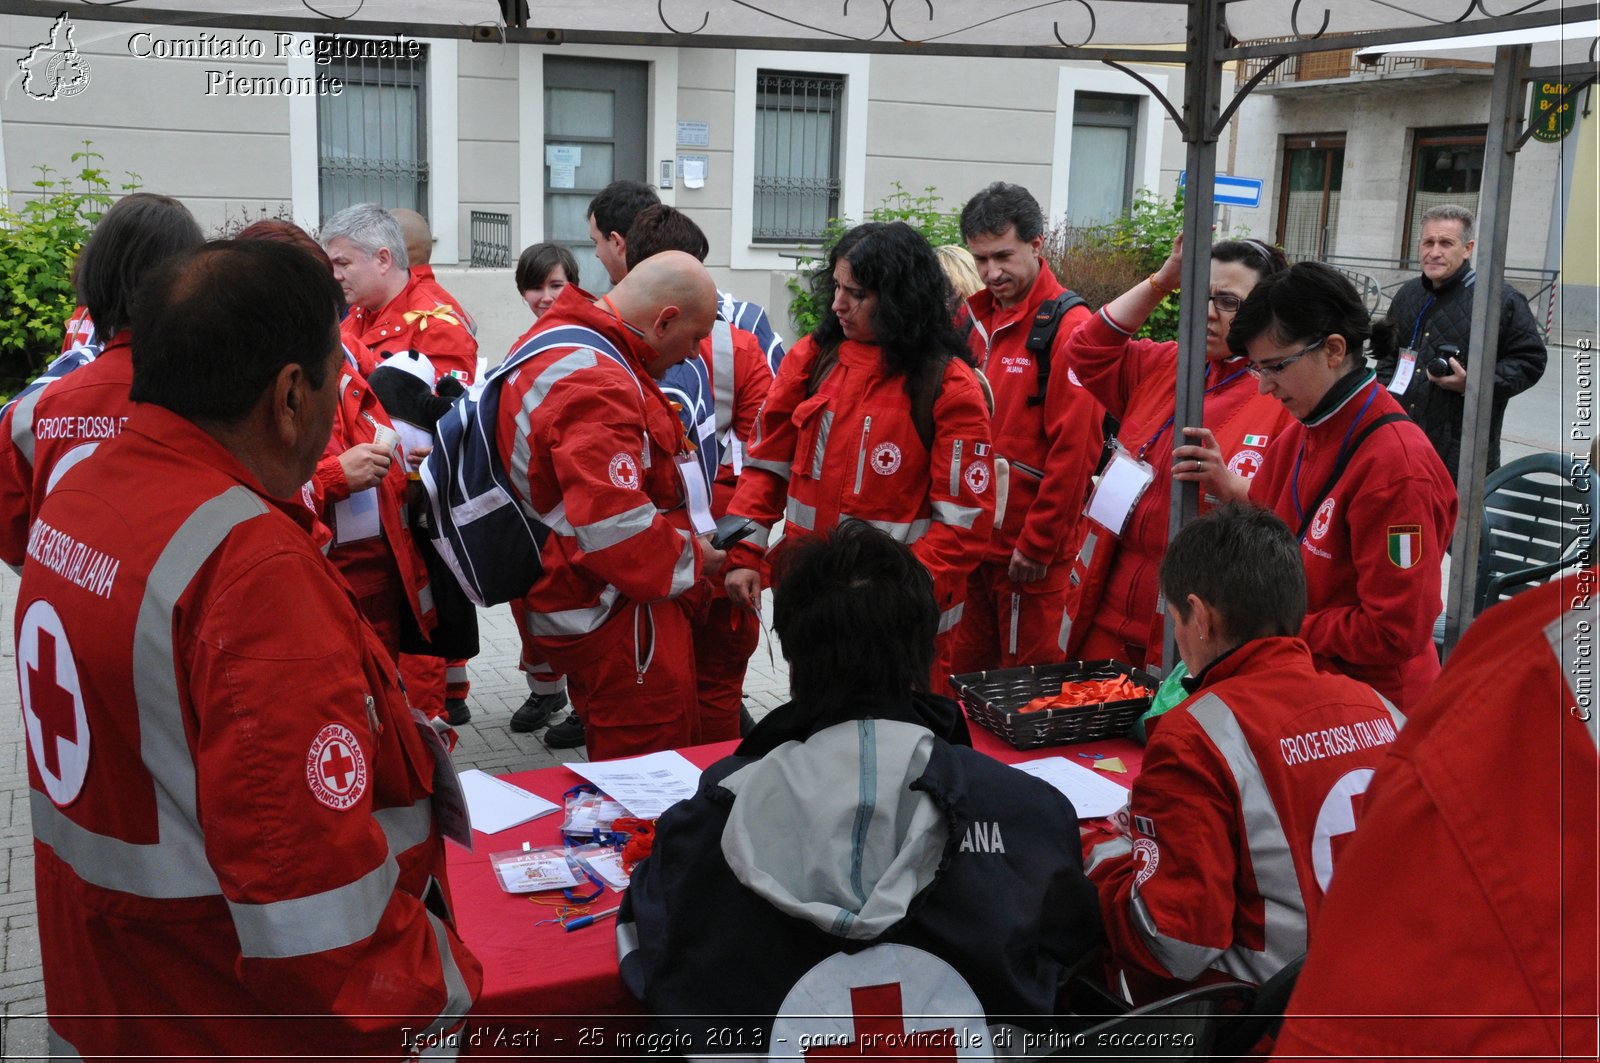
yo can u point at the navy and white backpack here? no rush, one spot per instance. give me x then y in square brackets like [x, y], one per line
[487, 536]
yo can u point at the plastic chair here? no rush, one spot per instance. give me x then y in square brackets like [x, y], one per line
[1534, 523]
[1181, 1026]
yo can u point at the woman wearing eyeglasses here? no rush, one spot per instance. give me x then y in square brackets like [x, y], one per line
[1112, 609]
[1371, 503]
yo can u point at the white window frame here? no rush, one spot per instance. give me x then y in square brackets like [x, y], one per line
[444, 144]
[661, 136]
[1148, 134]
[746, 253]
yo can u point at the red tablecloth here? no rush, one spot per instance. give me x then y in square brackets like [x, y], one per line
[550, 993]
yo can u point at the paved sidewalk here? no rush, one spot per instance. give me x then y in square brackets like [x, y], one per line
[486, 742]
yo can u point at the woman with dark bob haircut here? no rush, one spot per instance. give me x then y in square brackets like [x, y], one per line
[1370, 502]
[542, 271]
[875, 416]
[1113, 609]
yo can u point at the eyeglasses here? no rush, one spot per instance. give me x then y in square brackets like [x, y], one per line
[1226, 302]
[1273, 368]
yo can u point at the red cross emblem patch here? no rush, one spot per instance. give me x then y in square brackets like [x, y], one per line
[336, 769]
[1324, 517]
[885, 459]
[1246, 463]
[624, 471]
[52, 703]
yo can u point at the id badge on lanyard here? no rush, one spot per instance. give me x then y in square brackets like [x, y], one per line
[696, 493]
[1121, 485]
[1404, 369]
[449, 799]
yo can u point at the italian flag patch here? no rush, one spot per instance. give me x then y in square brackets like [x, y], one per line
[1405, 544]
[1255, 441]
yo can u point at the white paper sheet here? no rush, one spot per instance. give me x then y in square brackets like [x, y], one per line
[646, 786]
[1404, 369]
[694, 173]
[608, 865]
[496, 805]
[563, 175]
[1118, 491]
[356, 518]
[1092, 794]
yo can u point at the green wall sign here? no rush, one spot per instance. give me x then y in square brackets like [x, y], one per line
[1551, 115]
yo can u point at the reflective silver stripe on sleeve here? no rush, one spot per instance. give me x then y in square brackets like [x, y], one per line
[800, 515]
[579, 621]
[627, 940]
[781, 469]
[65, 463]
[425, 598]
[1270, 858]
[406, 826]
[1395, 714]
[304, 926]
[683, 573]
[761, 537]
[1107, 850]
[1107, 319]
[521, 457]
[951, 617]
[722, 391]
[959, 516]
[906, 532]
[22, 423]
[955, 472]
[1565, 637]
[176, 865]
[609, 531]
[1181, 958]
[823, 431]
[1037, 474]
[1086, 553]
[457, 999]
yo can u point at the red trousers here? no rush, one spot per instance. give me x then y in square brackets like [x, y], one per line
[1006, 624]
[724, 638]
[632, 680]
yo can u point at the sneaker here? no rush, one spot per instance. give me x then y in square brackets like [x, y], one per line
[568, 734]
[537, 710]
[456, 711]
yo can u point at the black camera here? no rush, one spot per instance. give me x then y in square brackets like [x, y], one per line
[1440, 365]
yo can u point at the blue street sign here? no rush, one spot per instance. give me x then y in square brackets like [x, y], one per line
[1232, 191]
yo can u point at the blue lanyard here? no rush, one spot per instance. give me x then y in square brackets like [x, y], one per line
[1294, 483]
[1416, 330]
[1168, 422]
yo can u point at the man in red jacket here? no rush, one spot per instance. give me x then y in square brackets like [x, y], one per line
[594, 449]
[1045, 425]
[234, 825]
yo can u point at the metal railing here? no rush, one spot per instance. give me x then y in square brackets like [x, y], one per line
[491, 239]
[1378, 279]
[1342, 63]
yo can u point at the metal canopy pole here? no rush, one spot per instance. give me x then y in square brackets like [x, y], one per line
[1494, 212]
[1202, 103]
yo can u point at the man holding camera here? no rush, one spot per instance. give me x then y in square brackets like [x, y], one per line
[1432, 319]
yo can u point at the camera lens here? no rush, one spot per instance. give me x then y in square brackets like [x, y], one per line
[1439, 367]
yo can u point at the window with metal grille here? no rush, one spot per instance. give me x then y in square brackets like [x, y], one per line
[372, 138]
[797, 155]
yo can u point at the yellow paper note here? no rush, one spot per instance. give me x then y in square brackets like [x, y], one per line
[1112, 764]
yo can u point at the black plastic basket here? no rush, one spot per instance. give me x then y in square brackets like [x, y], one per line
[994, 699]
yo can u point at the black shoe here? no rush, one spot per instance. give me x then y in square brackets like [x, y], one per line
[537, 710]
[456, 711]
[568, 734]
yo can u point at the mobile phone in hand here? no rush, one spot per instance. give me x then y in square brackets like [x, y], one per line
[730, 530]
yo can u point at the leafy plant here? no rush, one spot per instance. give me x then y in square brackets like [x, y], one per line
[234, 224]
[1101, 262]
[922, 212]
[39, 242]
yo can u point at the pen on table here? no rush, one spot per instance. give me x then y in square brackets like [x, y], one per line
[585, 920]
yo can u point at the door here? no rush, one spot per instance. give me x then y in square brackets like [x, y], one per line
[1308, 209]
[594, 133]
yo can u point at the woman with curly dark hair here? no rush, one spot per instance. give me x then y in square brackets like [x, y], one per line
[876, 416]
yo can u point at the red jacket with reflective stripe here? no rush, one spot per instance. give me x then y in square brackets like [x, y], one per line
[1059, 439]
[852, 450]
[751, 379]
[1462, 923]
[68, 420]
[369, 563]
[1372, 555]
[418, 320]
[591, 449]
[1249, 790]
[1136, 380]
[231, 801]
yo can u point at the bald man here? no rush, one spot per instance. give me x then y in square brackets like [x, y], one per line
[594, 448]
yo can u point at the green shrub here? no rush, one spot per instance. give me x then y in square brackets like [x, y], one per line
[921, 212]
[1101, 262]
[39, 242]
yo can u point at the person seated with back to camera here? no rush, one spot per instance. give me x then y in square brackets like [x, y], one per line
[1251, 786]
[856, 832]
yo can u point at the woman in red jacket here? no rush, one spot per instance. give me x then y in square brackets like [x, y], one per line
[875, 416]
[1112, 608]
[1371, 503]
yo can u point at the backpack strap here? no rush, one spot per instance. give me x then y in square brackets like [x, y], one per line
[564, 336]
[1338, 469]
[1042, 337]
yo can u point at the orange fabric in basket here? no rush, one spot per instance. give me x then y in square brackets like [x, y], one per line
[1088, 692]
